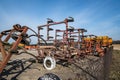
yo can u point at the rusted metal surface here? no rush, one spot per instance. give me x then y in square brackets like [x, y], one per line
[107, 62]
[7, 54]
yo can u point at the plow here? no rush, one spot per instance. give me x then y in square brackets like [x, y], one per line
[66, 45]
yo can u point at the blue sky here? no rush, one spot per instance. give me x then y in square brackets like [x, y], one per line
[99, 17]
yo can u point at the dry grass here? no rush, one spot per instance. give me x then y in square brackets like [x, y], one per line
[116, 46]
[115, 67]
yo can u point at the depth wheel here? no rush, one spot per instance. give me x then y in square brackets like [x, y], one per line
[49, 63]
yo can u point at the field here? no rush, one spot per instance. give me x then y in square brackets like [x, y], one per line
[115, 67]
[116, 46]
[32, 71]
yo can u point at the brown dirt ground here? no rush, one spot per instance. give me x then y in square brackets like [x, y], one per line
[36, 70]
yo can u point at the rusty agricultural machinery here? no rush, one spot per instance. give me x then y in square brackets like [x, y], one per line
[67, 45]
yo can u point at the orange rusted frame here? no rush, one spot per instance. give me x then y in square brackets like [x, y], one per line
[7, 56]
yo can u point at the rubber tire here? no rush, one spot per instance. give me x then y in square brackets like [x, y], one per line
[52, 61]
[49, 76]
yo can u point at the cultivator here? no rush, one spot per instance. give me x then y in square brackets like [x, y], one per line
[71, 42]
[67, 45]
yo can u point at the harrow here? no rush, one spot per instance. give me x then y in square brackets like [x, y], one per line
[67, 45]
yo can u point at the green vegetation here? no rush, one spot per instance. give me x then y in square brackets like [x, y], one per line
[115, 67]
